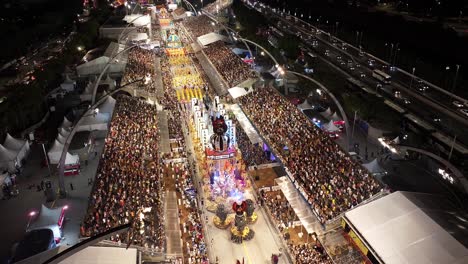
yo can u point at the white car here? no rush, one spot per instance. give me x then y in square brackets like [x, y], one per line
[464, 111]
[457, 104]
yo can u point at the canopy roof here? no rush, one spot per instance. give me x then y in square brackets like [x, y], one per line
[7, 154]
[107, 106]
[330, 127]
[238, 92]
[13, 143]
[246, 125]
[209, 38]
[412, 228]
[47, 217]
[373, 167]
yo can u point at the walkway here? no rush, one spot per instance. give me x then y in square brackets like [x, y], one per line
[300, 206]
[215, 79]
[173, 235]
[158, 75]
[164, 143]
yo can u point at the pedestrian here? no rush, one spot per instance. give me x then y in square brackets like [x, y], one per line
[71, 186]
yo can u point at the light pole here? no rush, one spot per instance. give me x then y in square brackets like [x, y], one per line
[412, 78]
[31, 215]
[454, 86]
[352, 133]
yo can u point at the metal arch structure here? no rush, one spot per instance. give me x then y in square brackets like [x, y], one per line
[193, 8]
[128, 32]
[262, 48]
[111, 60]
[456, 172]
[337, 103]
[228, 29]
[69, 138]
[126, 27]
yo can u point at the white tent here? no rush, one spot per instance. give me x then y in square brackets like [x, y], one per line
[68, 85]
[88, 92]
[107, 106]
[109, 81]
[18, 145]
[330, 127]
[92, 122]
[138, 20]
[326, 113]
[55, 153]
[61, 138]
[209, 38]
[335, 117]
[374, 167]
[66, 123]
[48, 218]
[8, 159]
[304, 105]
[239, 91]
[96, 66]
[405, 227]
[137, 36]
[64, 132]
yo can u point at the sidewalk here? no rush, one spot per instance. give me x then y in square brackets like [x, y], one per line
[18, 208]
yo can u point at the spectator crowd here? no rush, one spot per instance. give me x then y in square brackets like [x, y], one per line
[310, 254]
[228, 64]
[199, 25]
[140, 66]
[127, 186]
[330, 180]
[252, 154]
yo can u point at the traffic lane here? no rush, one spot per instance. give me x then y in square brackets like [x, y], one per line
[415, 106]
[404, 79]
[438, 98]
[428, 115]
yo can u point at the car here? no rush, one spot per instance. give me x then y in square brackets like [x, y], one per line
[457, 104]
[406, 100]
[342, 63]
[314, 43]
[371, 62]
[464, 111]
[397, 94]
[362, 75]
[338, 58]
[352, 68]
[327, 53]
[436, 118]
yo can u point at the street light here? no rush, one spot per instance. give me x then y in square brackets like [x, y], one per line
[79, 48]
[455, 78]
[31, 215]
[412, 78]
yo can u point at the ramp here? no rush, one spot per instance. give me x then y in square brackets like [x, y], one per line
[173, 234]
[164, 143]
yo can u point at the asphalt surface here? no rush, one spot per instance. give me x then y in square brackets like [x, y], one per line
[433, 103]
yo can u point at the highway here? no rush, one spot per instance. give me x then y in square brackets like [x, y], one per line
[433, 104]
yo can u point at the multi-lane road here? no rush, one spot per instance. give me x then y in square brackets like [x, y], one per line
[427, 102]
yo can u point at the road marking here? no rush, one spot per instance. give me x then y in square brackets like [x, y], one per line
[246, 253]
